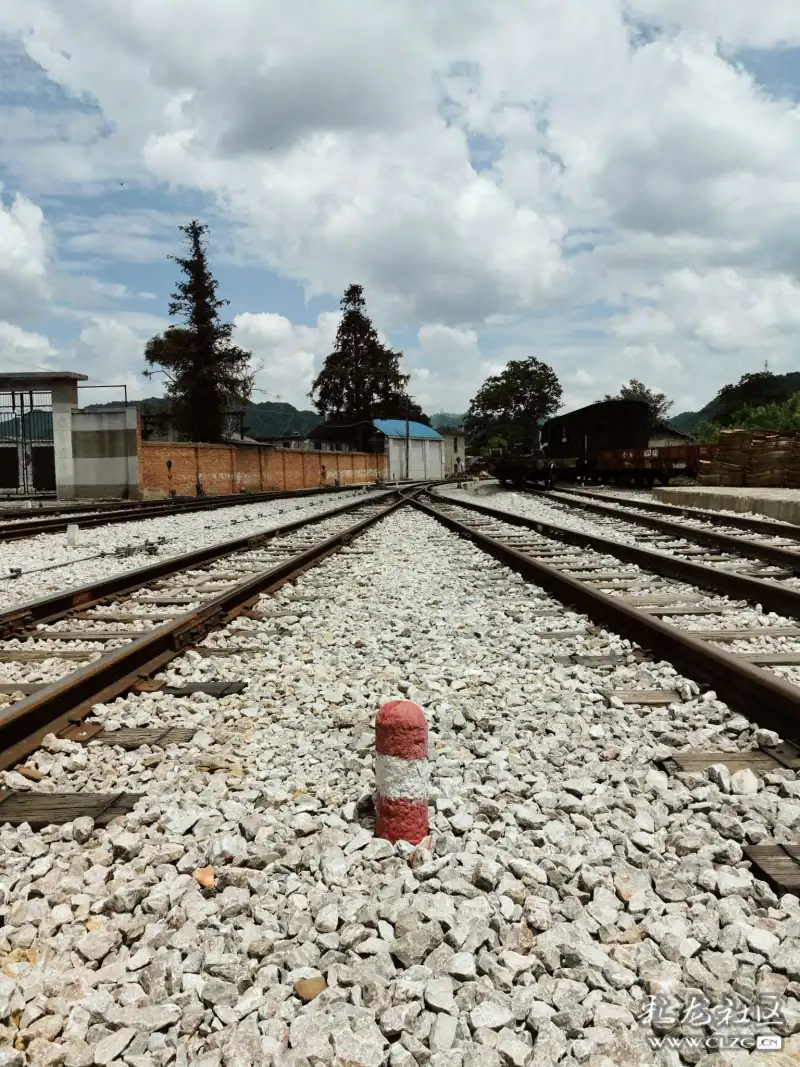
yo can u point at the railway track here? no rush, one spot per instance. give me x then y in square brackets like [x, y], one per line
[770, 527]
[620, 586]
[135, 512]
[217, 852]
[114, 634]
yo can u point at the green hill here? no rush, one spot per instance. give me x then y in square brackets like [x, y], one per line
[688, 421]
[445, 421]
[269, 419]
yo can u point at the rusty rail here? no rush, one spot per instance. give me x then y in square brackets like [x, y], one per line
[24, 723]
[785, 557]
[139, 510]
[771, 595]
[775, 529]
[47, 609]
[766, 700]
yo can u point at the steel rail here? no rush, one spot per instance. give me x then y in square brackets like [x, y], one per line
[14, 531]
[774, 597]
[52, 607]
[763, 698]
[785, 557]
[24, 724]
[775, 529]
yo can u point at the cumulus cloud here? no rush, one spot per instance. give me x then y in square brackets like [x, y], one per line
[24, 350]
[473, 167]
[287, 357]
[23, 258]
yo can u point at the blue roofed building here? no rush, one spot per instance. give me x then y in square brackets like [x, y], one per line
[418, 457]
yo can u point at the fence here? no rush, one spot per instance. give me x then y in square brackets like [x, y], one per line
[187, 469]
[27, 453]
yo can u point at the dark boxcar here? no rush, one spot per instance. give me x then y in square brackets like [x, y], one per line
[581, 435]
[648, 465]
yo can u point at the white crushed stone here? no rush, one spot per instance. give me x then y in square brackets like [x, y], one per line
[182, 532]
[566, 877]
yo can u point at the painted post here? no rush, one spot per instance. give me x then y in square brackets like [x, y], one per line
[401, 773]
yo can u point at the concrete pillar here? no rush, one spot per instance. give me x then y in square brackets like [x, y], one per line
[64, 398]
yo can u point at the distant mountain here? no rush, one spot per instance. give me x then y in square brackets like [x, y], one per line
[445, 421]
[273, 419]
[688, 421]
[268, 419]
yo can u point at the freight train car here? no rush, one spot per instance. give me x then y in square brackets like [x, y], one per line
[649, 465]
[611, 441]
[571, 444]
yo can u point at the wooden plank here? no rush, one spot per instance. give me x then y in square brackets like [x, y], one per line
[84, 635]
[53, 809]
[554, 634]
[167, 600]
[771, 659]
[695, 761]
[598, 576]
[745, 635]
[30, 655]
[648, 697]
[659, 599]
[688, 610]
[776, 864]
[131, 739]
[611, 660]
[119, 616]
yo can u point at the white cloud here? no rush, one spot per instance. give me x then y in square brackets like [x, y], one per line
[349, 154]
[447, 368]
[287, 357]
[22, 350]
[23, 258]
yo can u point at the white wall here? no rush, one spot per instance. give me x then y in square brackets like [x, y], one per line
[425, 459]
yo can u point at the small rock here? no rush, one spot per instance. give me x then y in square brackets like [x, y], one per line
[309, 988]
[205, 876]
[493, 1014]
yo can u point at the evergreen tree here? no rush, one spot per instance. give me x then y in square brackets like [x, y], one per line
[206, 374]
[361, 379]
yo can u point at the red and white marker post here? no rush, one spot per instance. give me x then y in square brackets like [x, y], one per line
[401, 773]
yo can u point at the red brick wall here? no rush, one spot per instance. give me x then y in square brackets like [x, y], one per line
[229, 468]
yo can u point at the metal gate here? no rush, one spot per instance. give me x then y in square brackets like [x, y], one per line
[27, 455]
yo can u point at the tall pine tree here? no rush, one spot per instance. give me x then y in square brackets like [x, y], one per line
[361, 379]
[206, 374]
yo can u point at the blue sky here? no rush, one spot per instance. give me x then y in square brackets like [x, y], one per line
[546, 182]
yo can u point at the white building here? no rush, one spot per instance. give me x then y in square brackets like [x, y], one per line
[419, 458]
[455, 444]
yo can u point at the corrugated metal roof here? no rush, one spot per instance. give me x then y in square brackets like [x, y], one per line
[397, 428]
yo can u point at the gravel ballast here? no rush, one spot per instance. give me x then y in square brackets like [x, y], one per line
[244, 912]
[180, 532]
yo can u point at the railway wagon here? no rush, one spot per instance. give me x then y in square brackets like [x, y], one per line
[649, 465]
[575, 440]
[571, 444]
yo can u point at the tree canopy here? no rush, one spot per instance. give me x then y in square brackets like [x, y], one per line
[510, 405]
[752, 390]
[635, 390]
[206, 374]
[361, 379]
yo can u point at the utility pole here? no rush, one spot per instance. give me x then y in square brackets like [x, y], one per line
[408, 440]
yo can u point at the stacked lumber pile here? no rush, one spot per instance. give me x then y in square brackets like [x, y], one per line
[755, 458]
[728, 465]
[793, 465]
[769, 456]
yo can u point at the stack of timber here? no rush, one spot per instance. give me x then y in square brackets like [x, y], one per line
[769, 456]
[728, 465]
[793, 465]
[757, 458]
